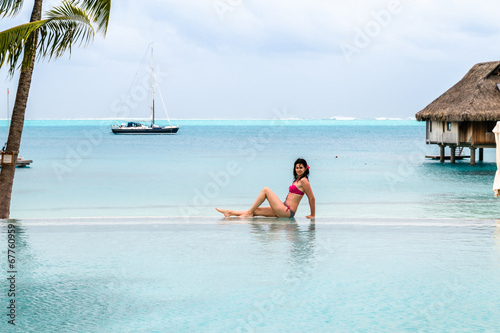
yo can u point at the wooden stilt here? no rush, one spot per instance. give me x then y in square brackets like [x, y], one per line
[441, 153]
[452, 154]
[481, 154]
[472, 155]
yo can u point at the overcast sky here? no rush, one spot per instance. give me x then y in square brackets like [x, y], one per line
[240, 59]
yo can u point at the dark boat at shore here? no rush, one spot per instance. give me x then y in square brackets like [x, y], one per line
[20, 162]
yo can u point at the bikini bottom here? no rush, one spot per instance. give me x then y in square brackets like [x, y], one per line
[292, 213]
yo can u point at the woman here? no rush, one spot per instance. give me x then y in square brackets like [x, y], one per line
[299, 187]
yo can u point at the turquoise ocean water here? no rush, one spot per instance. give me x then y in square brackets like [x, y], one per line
[359, 168]
[258, 275]
[119, 233]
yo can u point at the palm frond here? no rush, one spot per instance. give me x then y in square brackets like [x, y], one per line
[10, 7]
[63, 27]
[66, 25]
[14, 41]
[98, 10]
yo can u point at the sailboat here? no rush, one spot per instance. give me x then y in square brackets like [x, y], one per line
[134, 127]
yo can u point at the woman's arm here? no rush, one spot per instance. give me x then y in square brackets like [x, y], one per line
[304, 182]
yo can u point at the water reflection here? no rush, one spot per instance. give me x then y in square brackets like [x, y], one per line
[16, 238]
[16, 254]
[300, 240]
[20, 231]
[496, 234]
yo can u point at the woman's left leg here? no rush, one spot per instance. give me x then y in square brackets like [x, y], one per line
[228, 213]
[261, 211]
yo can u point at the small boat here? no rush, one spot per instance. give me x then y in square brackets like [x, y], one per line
[22, 163]
[134, 127]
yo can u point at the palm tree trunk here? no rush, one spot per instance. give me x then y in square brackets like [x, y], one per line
[17, 123]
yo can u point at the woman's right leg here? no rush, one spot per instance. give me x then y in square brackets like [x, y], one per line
[265, 211]
[277, 206]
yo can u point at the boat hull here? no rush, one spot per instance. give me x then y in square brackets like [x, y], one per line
[160, 130]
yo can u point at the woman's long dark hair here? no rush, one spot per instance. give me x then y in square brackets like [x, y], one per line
[305, 174]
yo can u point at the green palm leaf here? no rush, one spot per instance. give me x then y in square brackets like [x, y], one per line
[66, 25]
[10, 7]
[13, 42]
[98, 10]
[63, 27]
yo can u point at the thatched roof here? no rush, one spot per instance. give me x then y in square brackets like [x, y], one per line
[474, 98]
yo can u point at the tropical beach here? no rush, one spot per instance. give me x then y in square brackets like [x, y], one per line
[119, 233]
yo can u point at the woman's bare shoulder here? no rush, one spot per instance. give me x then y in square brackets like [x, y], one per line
[303, 181]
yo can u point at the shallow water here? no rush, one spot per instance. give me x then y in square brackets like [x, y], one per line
[216, 275]
[360, 168]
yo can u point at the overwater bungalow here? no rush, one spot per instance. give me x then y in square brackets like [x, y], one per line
[465, 115]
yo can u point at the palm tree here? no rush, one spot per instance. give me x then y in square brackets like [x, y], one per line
[73, 22]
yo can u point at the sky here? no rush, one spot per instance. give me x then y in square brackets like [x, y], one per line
[245, 59]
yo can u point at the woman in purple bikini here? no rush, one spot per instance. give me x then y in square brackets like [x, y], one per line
[287, 208]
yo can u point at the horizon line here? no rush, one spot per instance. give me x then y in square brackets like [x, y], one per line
[226, 119]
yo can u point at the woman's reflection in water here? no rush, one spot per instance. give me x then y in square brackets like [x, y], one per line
[301, 239]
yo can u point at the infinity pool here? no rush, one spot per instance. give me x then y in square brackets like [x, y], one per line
[256, 275]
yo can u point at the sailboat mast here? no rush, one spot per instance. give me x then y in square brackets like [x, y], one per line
[152, 88]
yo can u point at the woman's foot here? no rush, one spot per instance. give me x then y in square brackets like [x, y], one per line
[223, 211]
